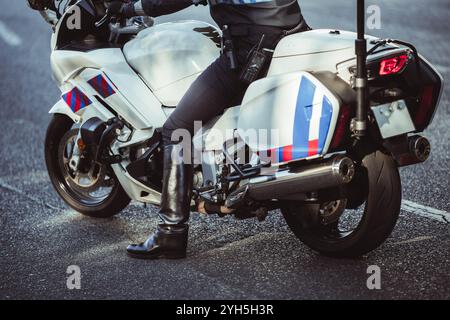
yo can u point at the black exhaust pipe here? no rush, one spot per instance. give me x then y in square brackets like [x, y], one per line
[410, 150]
[419, 148]
[333, 172]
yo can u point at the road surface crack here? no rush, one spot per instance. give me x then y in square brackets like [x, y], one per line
[11, 188]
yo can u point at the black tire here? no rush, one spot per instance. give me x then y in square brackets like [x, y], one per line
[382, 207]
[114, 202]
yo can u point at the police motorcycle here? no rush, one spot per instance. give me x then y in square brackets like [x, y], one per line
[336, 116]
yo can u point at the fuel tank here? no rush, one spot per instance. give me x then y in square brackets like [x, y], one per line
[170, 56]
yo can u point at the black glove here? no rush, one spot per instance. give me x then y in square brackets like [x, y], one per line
[198, 2]
[121, 9]
[40, 4]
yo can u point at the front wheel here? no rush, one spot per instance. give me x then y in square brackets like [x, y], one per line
[331, 229]
[92, 190]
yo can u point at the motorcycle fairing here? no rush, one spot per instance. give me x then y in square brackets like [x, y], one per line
[85, 86]
[77, 100]
[134, 100]
[297, 112]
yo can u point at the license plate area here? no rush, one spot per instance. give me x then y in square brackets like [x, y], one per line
[393, 119]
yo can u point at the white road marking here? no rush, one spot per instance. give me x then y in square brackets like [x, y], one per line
[9, 187]
[427, 212]
[416, 239]
[9, 36]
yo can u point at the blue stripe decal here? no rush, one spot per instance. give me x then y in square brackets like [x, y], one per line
[99, 89]
[280, 154]
[80, 99]
[73, 98]
[325, 120]
[83, 102]
[303, 112]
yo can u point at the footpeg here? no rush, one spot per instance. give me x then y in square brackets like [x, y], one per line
[236, 197]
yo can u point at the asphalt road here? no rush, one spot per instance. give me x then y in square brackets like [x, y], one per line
[228, 259]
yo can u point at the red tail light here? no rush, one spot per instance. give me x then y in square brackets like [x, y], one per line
[393, 65]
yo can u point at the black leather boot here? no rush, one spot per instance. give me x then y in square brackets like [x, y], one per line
[170, 238]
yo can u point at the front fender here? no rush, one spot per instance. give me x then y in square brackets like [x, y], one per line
[62, 108]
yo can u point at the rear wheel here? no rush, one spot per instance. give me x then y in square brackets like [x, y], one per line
[333, 230]
[92, 190]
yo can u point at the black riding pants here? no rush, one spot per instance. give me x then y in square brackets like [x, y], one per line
[215, 90]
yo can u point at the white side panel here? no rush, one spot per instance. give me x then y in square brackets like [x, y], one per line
[134, 188]
[269, 106]
[171, 95]
[220, 129]
[310, 62]
[292, 115]
[314, 41]
[140, 100]
[315, 50]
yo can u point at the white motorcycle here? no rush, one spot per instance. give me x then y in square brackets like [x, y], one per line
[336, 125]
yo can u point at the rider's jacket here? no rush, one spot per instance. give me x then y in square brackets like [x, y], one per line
[272, 13]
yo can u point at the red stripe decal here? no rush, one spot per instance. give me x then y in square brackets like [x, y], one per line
[77, 100]
[69, 98]
[105, 90]
[313, 147]
[287, 153]
[86, 100]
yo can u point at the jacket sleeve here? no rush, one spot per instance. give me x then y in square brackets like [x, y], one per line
[157, 8]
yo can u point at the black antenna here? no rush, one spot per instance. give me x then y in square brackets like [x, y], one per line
[359, 124]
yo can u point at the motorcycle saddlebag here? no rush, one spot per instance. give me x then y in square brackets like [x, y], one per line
[289, 117]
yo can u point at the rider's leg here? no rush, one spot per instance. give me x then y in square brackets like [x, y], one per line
[216, 89]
